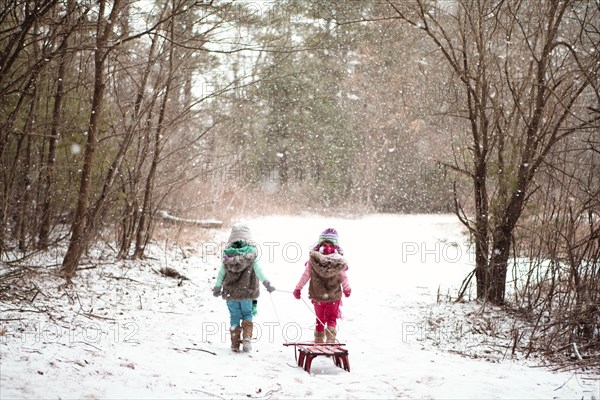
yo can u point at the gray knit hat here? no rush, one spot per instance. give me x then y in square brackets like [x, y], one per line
[240, 231]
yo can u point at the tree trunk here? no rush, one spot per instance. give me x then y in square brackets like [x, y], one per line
[144, 224]
[127, 227]
[49, 176]
[481, 231]
[132, 218]
[24, 225]
[47, 208]
[77, 243]
[146, 213]
[78, 240]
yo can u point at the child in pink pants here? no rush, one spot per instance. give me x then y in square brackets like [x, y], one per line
[326, 271]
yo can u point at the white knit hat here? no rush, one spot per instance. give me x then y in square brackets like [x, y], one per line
[240, 231]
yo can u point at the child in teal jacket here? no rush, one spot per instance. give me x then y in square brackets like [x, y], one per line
[238, 284]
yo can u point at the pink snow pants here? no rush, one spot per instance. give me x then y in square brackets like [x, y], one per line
[327, 312]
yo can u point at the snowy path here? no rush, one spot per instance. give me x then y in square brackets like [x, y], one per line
[147, 337]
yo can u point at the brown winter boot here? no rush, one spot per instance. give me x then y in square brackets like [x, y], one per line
[319, 337]
[235, 338]
[247, 335]
[330, 333]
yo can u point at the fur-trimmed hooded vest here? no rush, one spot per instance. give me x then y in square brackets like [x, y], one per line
[241, 282]
[325, 277]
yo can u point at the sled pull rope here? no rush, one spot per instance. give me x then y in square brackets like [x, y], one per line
[312, 311]
[304, 301]
[274, 308]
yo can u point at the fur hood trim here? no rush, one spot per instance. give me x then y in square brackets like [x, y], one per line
[326, 266]
[239, 262]
[240, 282]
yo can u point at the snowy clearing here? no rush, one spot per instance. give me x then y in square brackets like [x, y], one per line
[125, 331]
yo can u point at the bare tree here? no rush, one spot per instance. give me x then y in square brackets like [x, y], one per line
[525, 73]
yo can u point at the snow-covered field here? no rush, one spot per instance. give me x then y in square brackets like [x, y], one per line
[124, 331]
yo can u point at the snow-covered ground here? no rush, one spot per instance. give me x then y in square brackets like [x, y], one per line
[124, 331]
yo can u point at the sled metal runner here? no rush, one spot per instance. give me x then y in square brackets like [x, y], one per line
[305, 353]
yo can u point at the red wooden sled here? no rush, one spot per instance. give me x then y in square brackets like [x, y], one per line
[305, 353]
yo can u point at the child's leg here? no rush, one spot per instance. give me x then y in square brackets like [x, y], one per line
[320, 313]
[235, 313]
[247, 326]
[319, 327]
[246, 310]
[331, 313]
